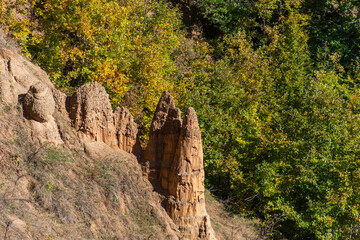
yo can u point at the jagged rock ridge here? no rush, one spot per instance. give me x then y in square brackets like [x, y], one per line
[91, 113]
[174, 156]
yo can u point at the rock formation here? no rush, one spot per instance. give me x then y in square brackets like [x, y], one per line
[160, 127]
[19, 78]
[16, 76]
[39, 105]
[171, 133]
[91, 113]
[126, 131]
[174, 157]
[186, 204]
[60, 101]
[39, 102]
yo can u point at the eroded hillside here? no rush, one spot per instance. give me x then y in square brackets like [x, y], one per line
[68, 169]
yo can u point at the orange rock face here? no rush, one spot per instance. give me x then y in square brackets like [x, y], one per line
[91, 113]
[126, 131]
[163, 128]
[17, 74]
[39, 102]
[174, 156]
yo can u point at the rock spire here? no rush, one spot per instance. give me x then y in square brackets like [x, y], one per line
[174, 157]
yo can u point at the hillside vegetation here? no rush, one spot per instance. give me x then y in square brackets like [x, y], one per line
[59, 182]
[275, 85]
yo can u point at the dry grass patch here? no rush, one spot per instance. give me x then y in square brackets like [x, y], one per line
[229, 226]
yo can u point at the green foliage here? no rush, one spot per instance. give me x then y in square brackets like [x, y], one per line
[334, 29]
[280, 136]
[231, 15]
[276, 94]
[222, 13]
[124, 45]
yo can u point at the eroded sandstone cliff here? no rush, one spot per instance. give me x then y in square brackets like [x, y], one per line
[173, 158]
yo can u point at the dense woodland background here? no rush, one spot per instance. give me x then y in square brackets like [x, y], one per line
[275, 84]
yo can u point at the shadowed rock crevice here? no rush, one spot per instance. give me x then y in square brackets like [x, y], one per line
[126, 131]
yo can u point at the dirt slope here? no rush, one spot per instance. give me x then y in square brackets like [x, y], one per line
[54, 185]
[49, 192]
